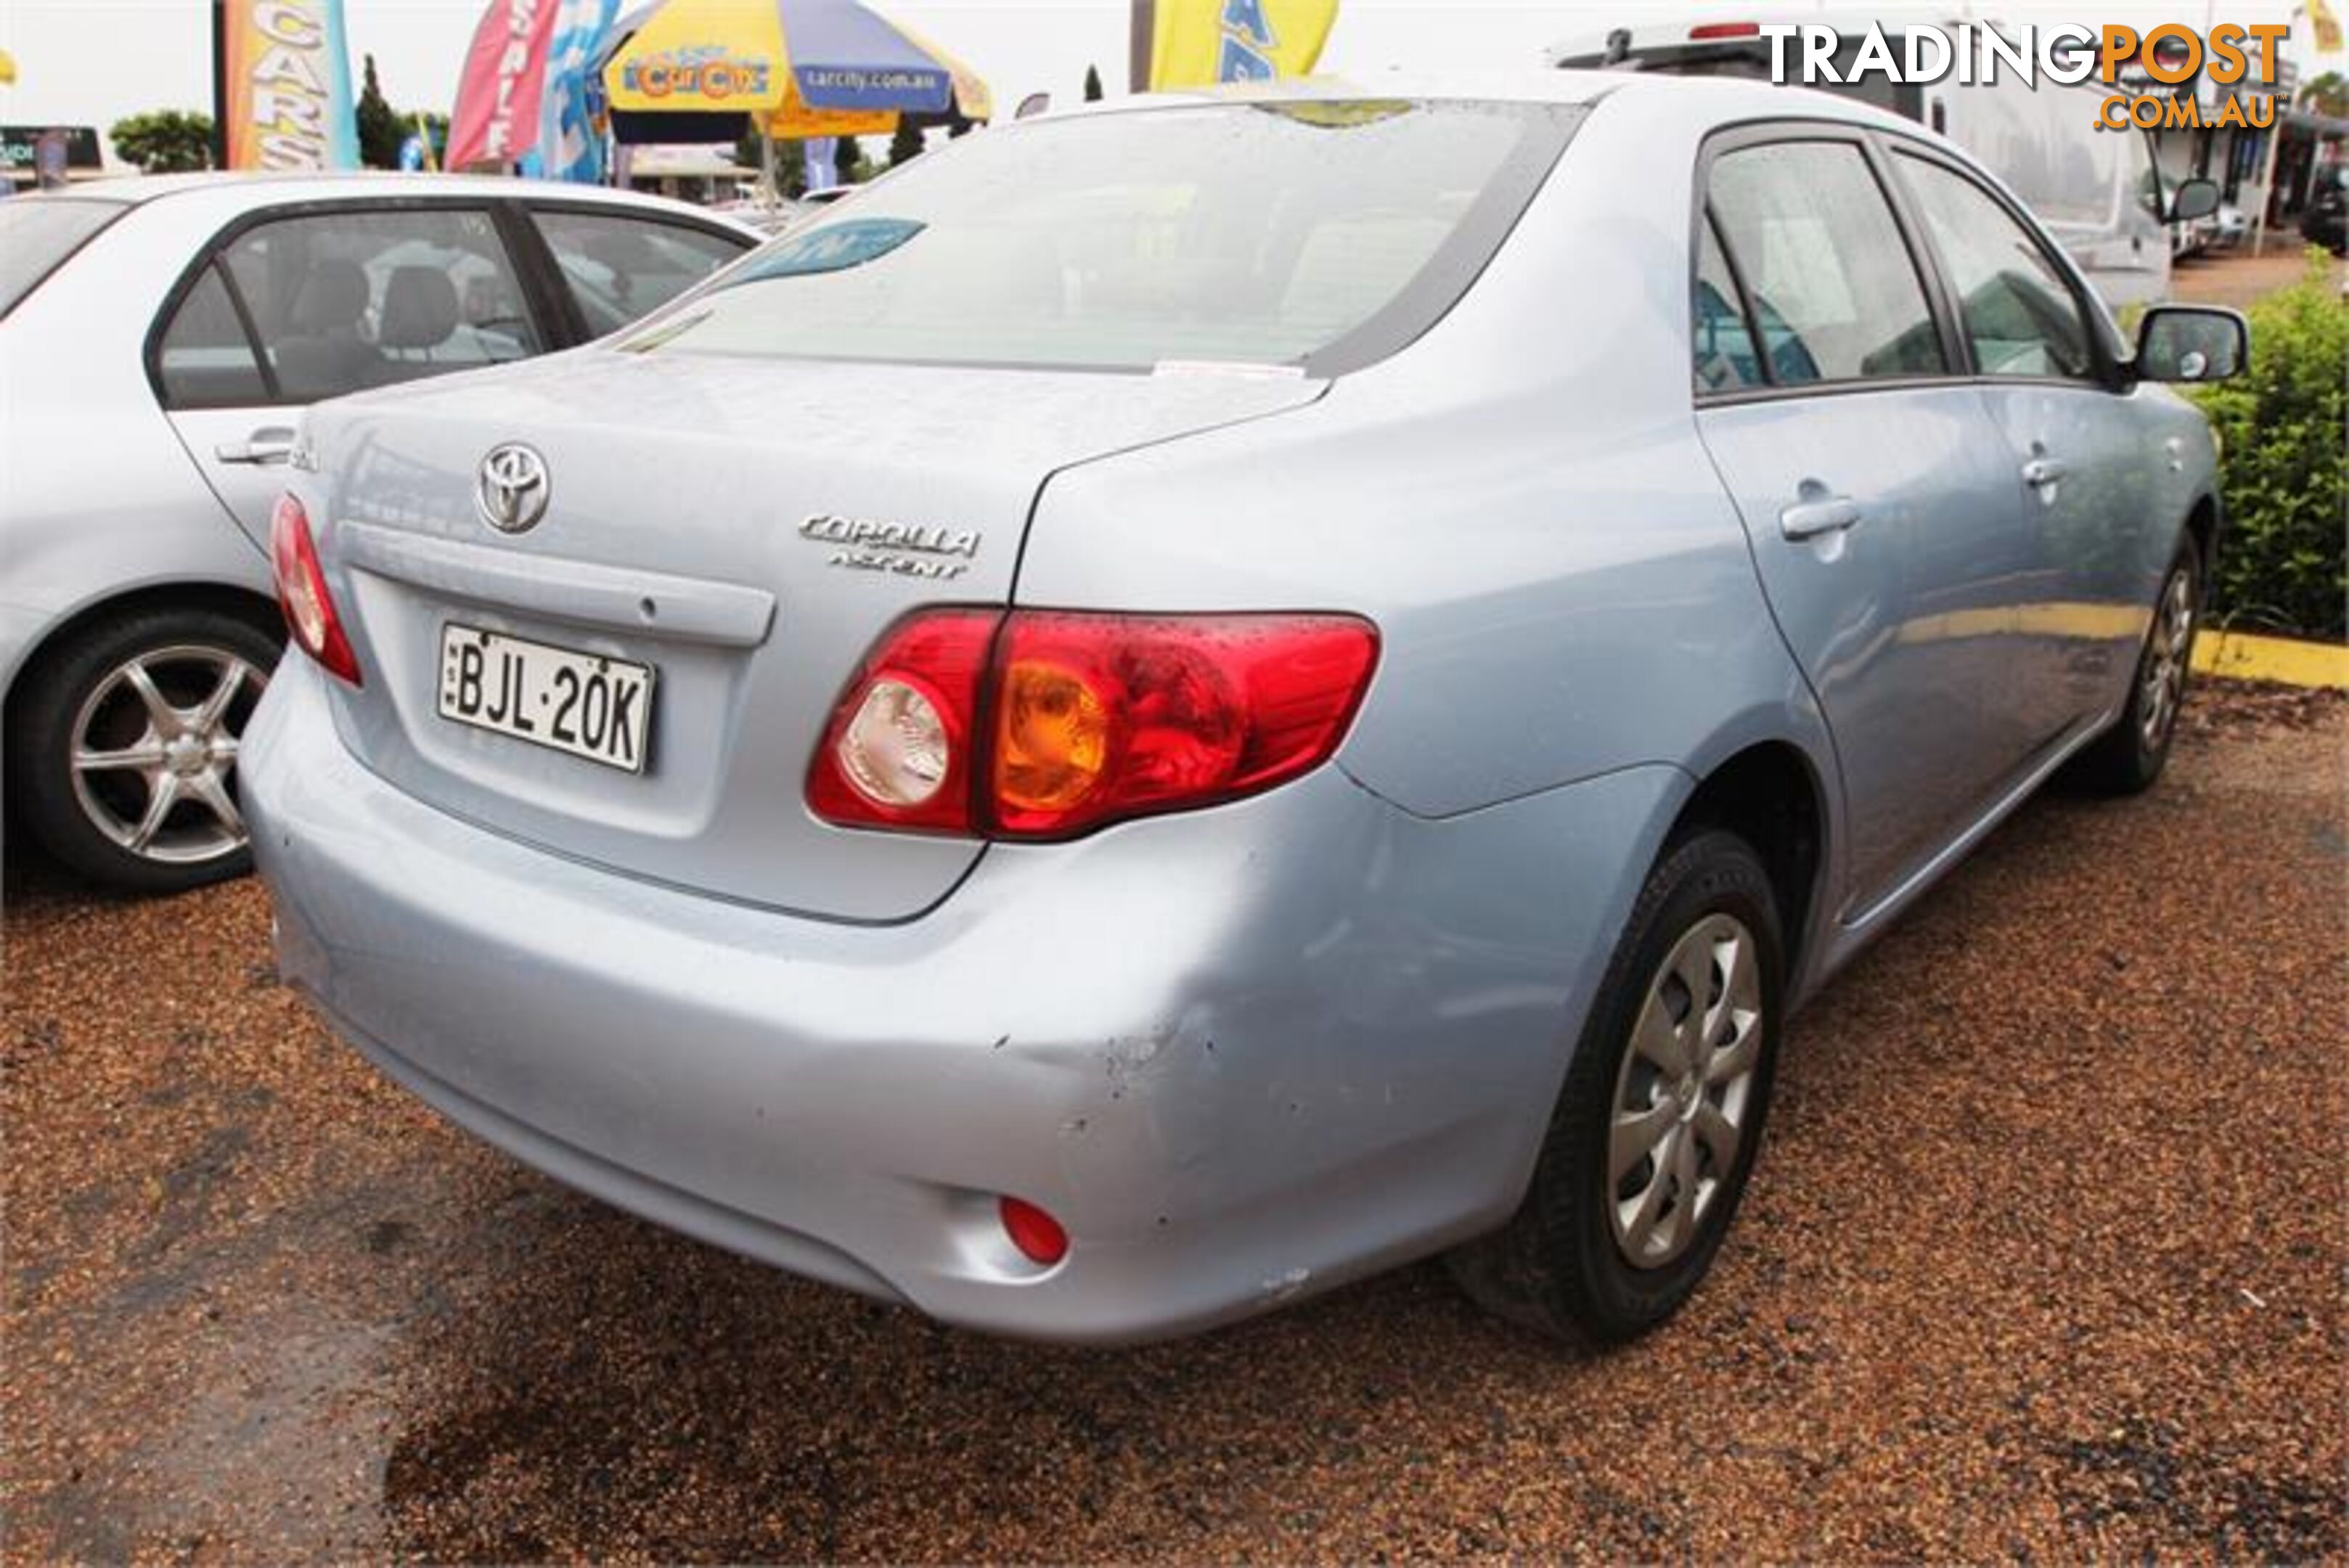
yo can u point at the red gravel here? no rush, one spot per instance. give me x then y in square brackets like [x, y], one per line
[2046, 1256]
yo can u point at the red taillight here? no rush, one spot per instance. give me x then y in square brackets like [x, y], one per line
[1060, 723]
[1101, 717]
[1037, 1234]
[898, 752]
[302, 591]
[1705, 32]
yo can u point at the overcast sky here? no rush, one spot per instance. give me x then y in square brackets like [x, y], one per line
[89, 62]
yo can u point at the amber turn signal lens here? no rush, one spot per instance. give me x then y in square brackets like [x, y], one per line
[1052, 737]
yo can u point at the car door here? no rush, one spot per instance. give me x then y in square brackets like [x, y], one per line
[2044, 356]
[1875, 494]
[619, 265]
[306, 304]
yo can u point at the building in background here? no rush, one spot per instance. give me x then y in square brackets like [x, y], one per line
[76, 154]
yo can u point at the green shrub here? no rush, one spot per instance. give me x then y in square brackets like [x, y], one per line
[2286, 474]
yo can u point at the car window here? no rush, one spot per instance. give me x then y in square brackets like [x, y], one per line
[347, 300]
[2019, 313]
[206, 360]
[1315, 234]
[1725, 349]
[1813, 238]
[39, 233]
[620, 267]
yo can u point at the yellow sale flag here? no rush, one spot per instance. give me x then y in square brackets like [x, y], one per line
[1198, 43]
[2327, 27]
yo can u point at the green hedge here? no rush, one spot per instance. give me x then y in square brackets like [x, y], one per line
[2285, 473]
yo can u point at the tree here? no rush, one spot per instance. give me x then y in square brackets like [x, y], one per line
[381, 132]
[2327, 94]
[435, 124]
[850, 161]
[905, 141]
[1093, 84]
[790, 164]
[164, 141]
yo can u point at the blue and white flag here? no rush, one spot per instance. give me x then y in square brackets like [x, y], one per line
[570, 140]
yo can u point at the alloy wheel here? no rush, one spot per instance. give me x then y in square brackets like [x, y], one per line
[2169, 643]
[1680, 1112]
[154, 749]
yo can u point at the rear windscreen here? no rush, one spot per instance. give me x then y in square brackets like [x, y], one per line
[1315, 234]
[37, 232]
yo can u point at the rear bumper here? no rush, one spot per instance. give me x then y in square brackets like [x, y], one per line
[1240, 1055]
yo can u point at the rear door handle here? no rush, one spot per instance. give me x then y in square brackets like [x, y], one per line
[1809, 519]
[263, 449]
[2042, 472]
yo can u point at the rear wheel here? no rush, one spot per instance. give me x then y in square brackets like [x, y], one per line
[2127, 758]
[1655, 1131]
[123, 741]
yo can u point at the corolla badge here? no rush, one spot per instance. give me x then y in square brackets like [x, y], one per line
[904, 549]
[512, 489]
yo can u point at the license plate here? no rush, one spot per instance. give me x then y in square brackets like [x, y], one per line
[584, 703]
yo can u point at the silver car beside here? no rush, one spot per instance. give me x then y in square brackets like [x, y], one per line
[1190, 701]
[158, 339]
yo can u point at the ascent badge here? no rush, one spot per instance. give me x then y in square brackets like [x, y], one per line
[902, 549]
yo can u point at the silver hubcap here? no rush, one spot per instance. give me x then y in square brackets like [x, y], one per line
[154, 749]
[2165, 659]
[1683, 1094]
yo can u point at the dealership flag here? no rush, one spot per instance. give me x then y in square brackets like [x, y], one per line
[498, 97]
[2327, 27]
[285, 86]
[570, 138]
[1198, 43]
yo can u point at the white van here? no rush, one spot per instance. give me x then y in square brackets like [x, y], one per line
[2099, 192]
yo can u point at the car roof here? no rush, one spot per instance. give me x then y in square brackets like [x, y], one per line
[1652, 28]
[270, 189]
[1713, 98]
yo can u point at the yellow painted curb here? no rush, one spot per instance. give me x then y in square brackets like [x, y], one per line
[2242, 656]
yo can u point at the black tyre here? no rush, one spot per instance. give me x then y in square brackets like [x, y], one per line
[122, 745]
[1655, 1130]
[2127, 758]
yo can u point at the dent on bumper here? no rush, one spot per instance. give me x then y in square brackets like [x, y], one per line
[1239, 1055]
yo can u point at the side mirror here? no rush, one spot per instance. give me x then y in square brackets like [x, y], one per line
[2195, 199]
[2191, 343]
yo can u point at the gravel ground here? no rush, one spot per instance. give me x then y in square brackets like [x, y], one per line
[2045, 1257]
[2238, 279]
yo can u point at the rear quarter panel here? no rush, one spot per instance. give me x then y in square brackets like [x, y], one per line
[1518, 500]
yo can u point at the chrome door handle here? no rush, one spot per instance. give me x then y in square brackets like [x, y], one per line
[265, 448]
[1809, 519]
[2042, 472]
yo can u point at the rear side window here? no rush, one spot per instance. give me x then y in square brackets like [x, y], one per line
[347, 300]
[620, 268]
[39, 233]
[1725, 359]
[1317, 234]
[1835, 293]
[2020, 316]
[205, 360]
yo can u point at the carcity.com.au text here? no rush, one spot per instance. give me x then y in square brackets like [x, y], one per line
[2232, 55]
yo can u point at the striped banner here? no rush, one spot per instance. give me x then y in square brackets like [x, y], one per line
[286, 101]
[570, 133]
[496, 118]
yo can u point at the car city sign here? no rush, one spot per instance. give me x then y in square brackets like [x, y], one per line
[704, 72]
[2232, 55]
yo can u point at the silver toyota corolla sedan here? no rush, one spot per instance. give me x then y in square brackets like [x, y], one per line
[1181, 703]
[158, 340]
